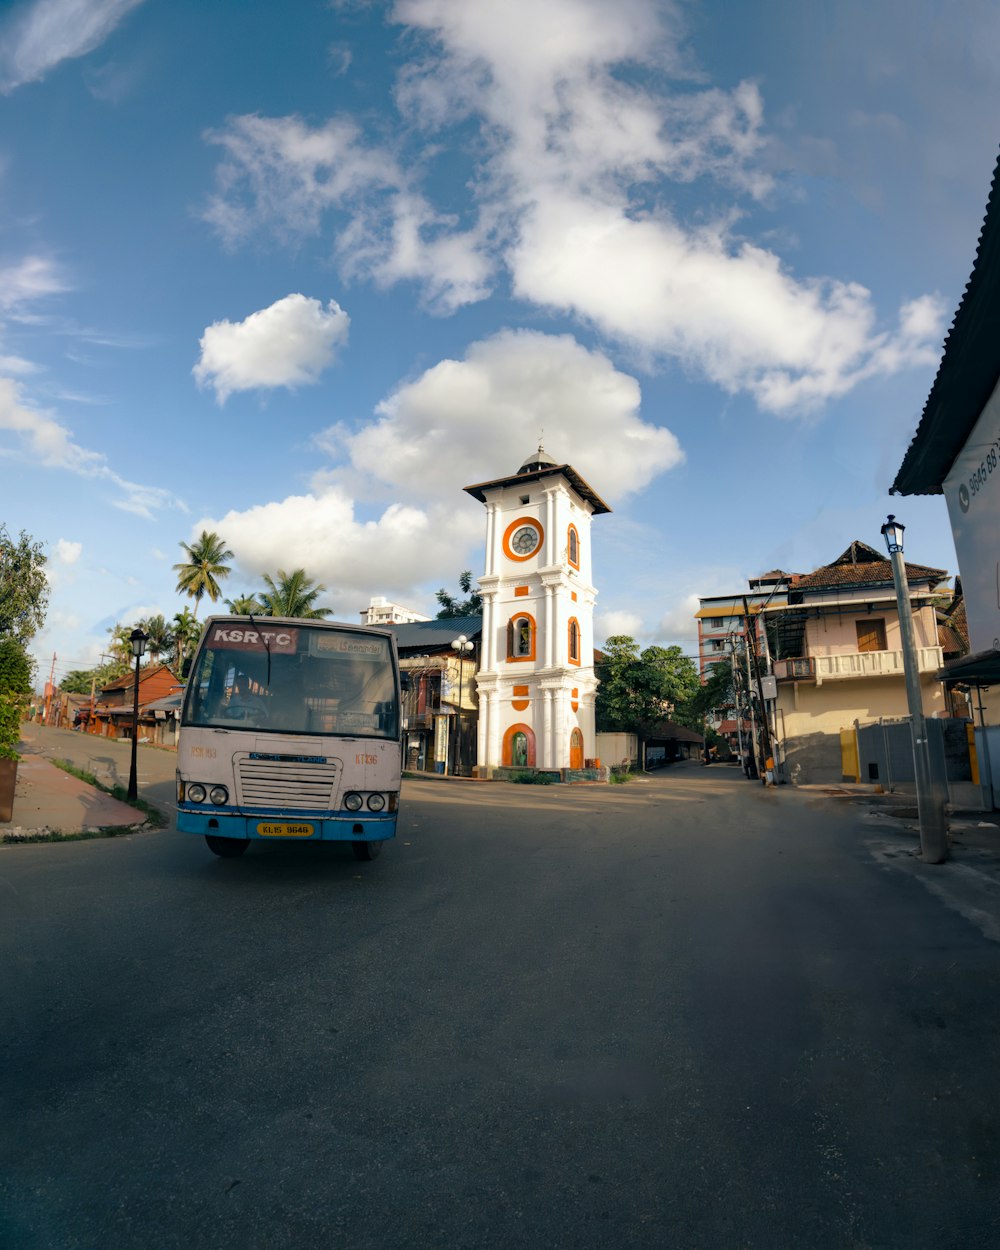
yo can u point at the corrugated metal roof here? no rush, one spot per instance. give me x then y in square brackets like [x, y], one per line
[968, 372]
[433, 635]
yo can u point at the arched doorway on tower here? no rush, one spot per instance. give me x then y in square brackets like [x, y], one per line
[519, 747]
[576, 749]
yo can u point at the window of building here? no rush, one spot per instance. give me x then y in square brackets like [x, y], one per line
[871, 635]
[574, 641]
[573, 546]
[521, 637]
[716, 622]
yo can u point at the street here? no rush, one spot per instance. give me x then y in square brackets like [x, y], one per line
[688, 1012]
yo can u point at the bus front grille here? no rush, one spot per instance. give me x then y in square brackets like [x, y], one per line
[303, 784]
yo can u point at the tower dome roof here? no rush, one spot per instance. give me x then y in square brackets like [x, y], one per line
[539, 459]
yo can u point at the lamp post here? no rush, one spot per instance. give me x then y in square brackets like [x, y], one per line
[463, 646]
[930, 799]
[138, 640]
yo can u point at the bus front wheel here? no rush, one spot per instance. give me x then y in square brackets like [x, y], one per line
[228, 848]
[367, 850]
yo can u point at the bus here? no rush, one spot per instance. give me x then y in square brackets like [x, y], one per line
[290, 731]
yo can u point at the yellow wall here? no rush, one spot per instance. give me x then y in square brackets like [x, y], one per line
[809, 709]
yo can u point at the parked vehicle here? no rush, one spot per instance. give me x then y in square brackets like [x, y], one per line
[290, 729]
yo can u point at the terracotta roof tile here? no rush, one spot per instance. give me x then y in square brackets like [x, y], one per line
[864, 571]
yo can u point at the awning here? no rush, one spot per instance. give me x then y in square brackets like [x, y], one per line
[981, 667]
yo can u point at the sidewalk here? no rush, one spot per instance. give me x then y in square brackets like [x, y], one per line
[49, 800]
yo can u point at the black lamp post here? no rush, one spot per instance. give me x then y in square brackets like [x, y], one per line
[138, 640]
[462, 645]
[930, 799]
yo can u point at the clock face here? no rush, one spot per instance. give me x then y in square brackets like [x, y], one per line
[525, 540]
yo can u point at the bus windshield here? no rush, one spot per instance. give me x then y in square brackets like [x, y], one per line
[298, 679]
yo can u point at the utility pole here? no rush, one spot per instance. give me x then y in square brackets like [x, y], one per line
[765, 727]
[49, 690]
[931, 796]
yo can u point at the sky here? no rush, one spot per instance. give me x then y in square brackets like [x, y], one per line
[300, 273]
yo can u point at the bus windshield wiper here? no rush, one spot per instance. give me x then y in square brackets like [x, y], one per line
[267, 648]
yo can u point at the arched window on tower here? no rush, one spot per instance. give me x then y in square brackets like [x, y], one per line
[574, 640]
[573, 546]
[521, 637]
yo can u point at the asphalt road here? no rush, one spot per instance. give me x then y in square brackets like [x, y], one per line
[688, 1013]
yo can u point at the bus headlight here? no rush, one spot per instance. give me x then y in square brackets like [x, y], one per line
[219, 795]
[353, 802]
[376, 802]
[196, 792]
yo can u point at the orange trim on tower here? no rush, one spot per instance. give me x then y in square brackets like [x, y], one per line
[521, 523]
[573, 640]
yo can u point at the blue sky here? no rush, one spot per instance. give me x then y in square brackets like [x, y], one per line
[300, 273]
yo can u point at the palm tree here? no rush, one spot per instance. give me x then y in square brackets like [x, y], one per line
[293, 595]
[158, 636]
[245, 605]
[120, 645]
[187, 631]
[199, 576]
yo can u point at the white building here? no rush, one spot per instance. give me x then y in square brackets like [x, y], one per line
[381, 612]
[536, 679]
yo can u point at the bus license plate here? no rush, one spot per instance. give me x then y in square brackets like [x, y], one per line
[268, 830]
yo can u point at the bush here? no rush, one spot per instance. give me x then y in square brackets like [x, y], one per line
[16, 673]
[533, 779]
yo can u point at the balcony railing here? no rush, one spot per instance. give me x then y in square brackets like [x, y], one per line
[855, 664]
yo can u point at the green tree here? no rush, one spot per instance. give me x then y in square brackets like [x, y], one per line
[453, 607]
[187, 631]
[159, 639]
[120, 644]
[85, 680]
[16, 679]
[205, 565]
[716, 693]
[244, 605]
[24, 588]
[640, 688]
[294, 594]
[615, 708]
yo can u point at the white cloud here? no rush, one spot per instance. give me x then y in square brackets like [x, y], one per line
[280, 175]
[588, 116]
[38, 35]
[16, 364]
[465, 420]
[29, 279]
[394, 554]
[678, 622]
[608, 624]
[459, 422]
[37, 436]
[288, 344]
[66, 552]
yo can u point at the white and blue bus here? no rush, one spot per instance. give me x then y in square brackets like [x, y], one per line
[291, 730]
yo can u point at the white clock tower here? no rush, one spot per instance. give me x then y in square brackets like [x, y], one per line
[536, 679]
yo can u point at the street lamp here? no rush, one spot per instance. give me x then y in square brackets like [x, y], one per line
[463, 646]
[138, 640]
[930, 799]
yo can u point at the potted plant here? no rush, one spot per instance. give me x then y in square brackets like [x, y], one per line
[15, 692]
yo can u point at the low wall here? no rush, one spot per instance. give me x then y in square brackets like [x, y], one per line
[544, 776]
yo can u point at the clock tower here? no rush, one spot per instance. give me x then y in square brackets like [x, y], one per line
[536, 678]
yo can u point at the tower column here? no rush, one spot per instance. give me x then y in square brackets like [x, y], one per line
[493, 745]
[546, 760]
